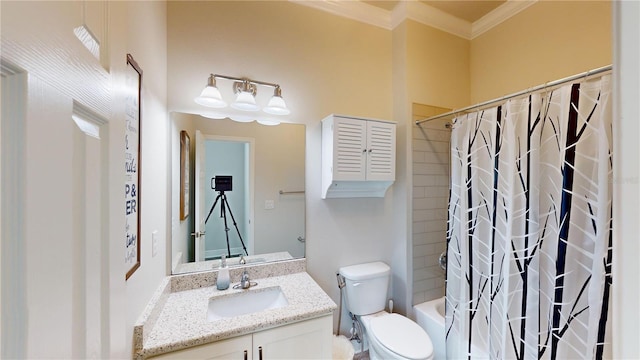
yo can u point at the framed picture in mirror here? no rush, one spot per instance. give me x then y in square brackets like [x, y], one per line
[185, 144]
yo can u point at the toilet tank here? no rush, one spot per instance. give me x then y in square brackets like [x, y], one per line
[366, 287]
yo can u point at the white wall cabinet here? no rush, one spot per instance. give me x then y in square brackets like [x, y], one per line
[358, 157]
[310, 339]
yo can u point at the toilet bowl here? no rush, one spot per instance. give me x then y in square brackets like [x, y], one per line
[390, 336]
[393, 336]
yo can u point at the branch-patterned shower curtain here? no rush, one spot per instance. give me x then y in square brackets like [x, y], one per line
[529, 232]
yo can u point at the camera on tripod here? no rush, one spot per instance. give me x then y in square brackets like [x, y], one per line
[222, 183]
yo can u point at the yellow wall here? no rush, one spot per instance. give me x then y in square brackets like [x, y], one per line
[548, 41]
[437, 66]
[430, 67]
[330, 64]
[324, 63]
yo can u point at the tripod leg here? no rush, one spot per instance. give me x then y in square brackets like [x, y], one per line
[226, 228]
[213, 207]
[234, 224]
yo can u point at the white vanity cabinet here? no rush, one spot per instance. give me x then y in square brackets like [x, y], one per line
[309, 339]
[358, 157]
[234, 348]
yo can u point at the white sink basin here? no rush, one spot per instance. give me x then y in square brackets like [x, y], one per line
[246, 302]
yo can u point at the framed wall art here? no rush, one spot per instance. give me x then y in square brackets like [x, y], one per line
[185, 146]
[132, 146]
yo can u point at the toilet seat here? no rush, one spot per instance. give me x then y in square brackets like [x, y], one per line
[401, 336]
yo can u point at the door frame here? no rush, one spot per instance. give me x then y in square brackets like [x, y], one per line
[249, 185]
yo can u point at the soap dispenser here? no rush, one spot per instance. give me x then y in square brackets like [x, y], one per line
[222, 283]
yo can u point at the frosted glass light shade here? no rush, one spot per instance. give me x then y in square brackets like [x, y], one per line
[211, 97]
[268, 122]
[245, 102]
[276, 106]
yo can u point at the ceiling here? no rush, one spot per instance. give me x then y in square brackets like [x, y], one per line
[469, 10]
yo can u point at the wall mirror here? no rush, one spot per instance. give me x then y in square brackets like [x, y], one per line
[247, 174]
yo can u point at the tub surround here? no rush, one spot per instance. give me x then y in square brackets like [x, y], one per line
[176, 316]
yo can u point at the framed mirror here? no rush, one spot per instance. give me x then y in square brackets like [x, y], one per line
[246, 192]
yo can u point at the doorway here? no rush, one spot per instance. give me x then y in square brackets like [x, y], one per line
[232, 236]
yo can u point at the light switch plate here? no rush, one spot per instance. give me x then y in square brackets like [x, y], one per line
[154, 243]
[269, 204]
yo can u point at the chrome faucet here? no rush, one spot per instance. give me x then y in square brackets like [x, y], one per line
[244, 280]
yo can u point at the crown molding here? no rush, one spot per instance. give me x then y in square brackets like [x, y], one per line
[419, 12]
[430, 16]
[354, 10]
[498, 16]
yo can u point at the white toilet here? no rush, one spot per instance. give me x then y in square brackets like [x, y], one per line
[390, 336]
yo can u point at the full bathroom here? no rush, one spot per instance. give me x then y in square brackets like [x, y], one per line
[431, 260]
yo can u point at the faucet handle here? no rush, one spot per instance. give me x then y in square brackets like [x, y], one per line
[244, 280]
[242, 260]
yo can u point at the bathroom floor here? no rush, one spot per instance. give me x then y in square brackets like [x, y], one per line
[361, 355]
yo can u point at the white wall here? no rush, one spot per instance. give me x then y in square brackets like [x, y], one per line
[626, 177]
[146, 41]
[72, 273]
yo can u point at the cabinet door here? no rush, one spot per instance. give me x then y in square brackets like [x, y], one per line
[305, 340]
[381, 151]
[349, 146]
[238, 348]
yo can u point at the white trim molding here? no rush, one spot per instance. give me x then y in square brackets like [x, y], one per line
[354, 10]
[498, 16]
[436, 18]
[419, 12]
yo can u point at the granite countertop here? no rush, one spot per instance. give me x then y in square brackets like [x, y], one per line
[178, 320]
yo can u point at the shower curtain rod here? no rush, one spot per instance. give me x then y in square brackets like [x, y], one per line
[519, 93]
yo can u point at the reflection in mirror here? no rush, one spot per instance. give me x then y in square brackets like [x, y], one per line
[248, 174]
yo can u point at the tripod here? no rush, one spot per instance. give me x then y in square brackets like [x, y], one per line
[224, 205]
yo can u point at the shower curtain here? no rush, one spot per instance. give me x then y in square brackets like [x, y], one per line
[529, 230]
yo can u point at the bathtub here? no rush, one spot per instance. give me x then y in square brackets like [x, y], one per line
[430, 316]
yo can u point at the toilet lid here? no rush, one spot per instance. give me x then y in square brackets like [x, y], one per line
[401, 336]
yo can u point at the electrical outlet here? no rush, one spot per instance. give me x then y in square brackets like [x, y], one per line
[269, 204]
[154, 243]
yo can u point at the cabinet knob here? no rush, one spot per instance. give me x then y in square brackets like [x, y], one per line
[364, 151]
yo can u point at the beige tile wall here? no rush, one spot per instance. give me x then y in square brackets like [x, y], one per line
[430, 196]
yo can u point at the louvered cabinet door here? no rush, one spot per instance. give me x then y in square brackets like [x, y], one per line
[381, 151]
[349, 149]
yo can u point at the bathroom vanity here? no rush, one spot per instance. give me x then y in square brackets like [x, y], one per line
[286, 315]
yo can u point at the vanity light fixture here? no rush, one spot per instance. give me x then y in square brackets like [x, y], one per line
[245, 90]
[211, 96]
